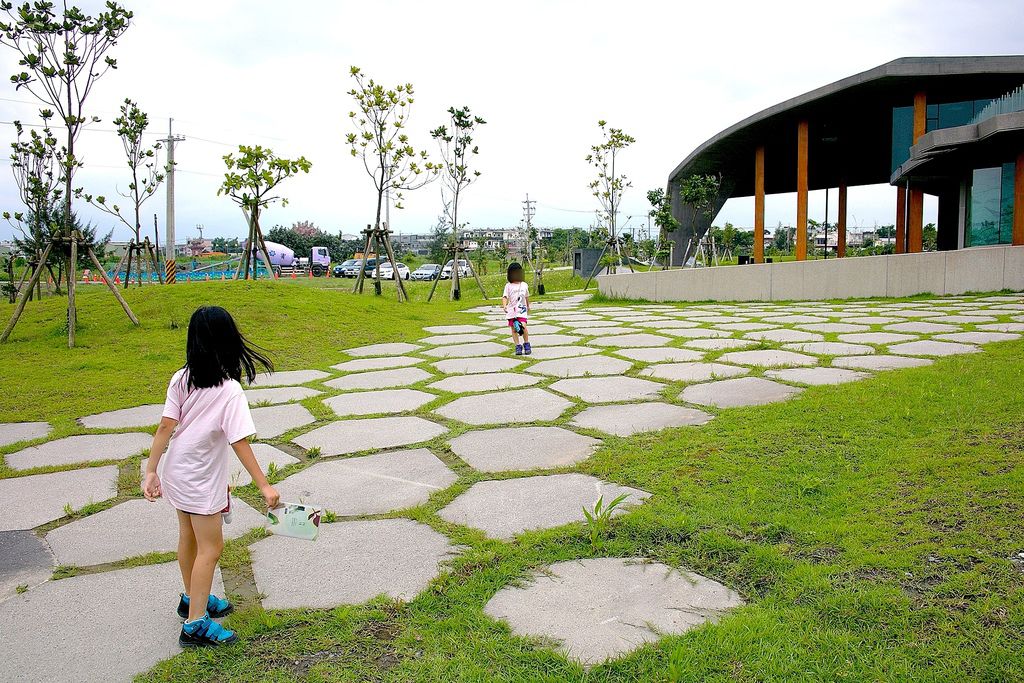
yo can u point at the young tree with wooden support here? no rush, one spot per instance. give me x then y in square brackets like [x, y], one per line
[62, 56]
[608, 188]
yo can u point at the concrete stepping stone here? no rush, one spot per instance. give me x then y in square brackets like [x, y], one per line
[603, 331]
[581, 367]
[660, 354]
[746, 327]
[698, 333]
[670, 324]
[443, 339]
[784, 336]
[530, 448]
[276, 420]
[237, 474]
[876, 337]
[830, 348]
[79, 449]
[879, 362]
[381, 363]
[911, 313]
[466, 384]
[392, 349]
[608, 389]
[692, 372]
[13, 432]
[541, 502]
[350, 563]
[374, 402]
[963, 319]
[789, 319]
[370, 485]
[626, 420]
[472, 366]
[40, 498]
[932, 348]
[518, 406]
[873, 320]
[548, 339]
[453, 329]
[59, 637]
[380, 379]
[768, 358]
[922, 327]
[1002, 327]
[25, 560]
[475, 350]
[632, 341]
[834, 327]
[719, 344]
[540, 328]
[741, 391]
[140, 416]
[716, 319]
[637, 318]
[279, 394]
[287, 378]
[816, 376]
[978, 337]
[353, 436]
[135, 527]
[602, 608]
[552, 352]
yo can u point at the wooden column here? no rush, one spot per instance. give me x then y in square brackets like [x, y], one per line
[801, 191]
[915, 208]
[1018, 201]
[841, 223]
[901, 219]
[759, 205]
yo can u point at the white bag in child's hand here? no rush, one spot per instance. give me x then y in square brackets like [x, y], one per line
[297, 520]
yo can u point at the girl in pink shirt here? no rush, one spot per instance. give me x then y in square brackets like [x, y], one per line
[206, 404]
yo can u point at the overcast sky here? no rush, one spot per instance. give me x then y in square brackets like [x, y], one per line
[541, 73]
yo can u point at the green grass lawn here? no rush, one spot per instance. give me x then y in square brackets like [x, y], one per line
[869, 525]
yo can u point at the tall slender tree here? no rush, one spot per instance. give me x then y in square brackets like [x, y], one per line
[610, 183]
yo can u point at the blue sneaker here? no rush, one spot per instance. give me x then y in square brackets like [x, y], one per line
[527, 349]
[205, 632]
[519, 349]
[215, 607]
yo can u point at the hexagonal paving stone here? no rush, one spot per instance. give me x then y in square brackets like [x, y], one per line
[978, 337]
[746, 327]
[352, 436]
[61, 612]
[784, 336]
[443, 339]
[279, 394]
[816, 376]
[581, 367]
[380, 379]
[370, 485]
[768, 358]
[742, 391]
[608, 389]
[276, 420]
[795, 318]
[466, 384]
[551, 352]
[834, 327]
[237, 474]
[911, 313]
[533, 448]
[13, 432]
[692, 372]
[475, 350]
[879, 362]
[932, 348]
[25, 560]
[381, 363]
[1003, 327]
[719, 344]
[351, 563]
[77, 449]
[698, 333]
[922, 327]
[289, 377]
[550, 339]
[631, 341]
[374, 402]
[392, 349]
[601, 608]
[626, 420]
[453, 329]
[660, 354]
[876, 337]
[105, 536]
[603, 331]
[40, 498]
[541, 502]
[140, 416]
[830, 348]
[963, 319]
[669, 324]
[472, 366]
[521, 405]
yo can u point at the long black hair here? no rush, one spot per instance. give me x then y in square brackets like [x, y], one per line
[216, 350]
[515, 273]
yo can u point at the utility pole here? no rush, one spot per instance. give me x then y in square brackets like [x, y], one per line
[170, 264]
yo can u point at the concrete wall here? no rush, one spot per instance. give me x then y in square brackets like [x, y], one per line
[981, 269]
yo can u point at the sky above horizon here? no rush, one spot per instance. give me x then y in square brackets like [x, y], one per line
[541, 73]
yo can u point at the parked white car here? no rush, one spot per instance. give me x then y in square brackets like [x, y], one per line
[387, 271]
[446, 272]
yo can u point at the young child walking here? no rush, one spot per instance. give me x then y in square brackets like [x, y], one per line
[516, 302]
[206, 404]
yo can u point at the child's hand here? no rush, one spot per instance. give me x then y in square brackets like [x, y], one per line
[151, 487]
[270, 495]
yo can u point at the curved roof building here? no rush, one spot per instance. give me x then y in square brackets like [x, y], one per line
[948, 126]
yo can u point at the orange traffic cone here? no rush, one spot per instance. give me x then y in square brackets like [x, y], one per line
[293, 274]
[117, 279]
[310, 273]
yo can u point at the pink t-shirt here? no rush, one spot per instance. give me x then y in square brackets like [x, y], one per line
[516, 294]
[194, 470]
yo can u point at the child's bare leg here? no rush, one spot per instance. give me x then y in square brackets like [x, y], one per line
[210, 541]
[526, 335]
[515, 337]
[186, 549]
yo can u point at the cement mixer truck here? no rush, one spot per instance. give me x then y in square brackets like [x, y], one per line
[283, 260]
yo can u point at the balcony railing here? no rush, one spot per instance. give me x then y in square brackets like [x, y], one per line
[1012, 101]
